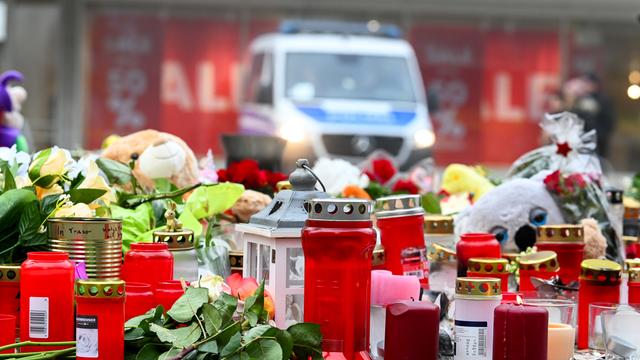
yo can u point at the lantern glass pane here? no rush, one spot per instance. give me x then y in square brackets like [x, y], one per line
[265, 263]
[295, 309]
[295, 268]
[253, 260]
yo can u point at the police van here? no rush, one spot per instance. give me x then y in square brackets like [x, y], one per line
[337, 90]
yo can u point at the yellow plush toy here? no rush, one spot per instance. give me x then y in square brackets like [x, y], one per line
[458, 178]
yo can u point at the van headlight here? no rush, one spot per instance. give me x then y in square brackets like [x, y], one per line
[424, 138]
[292, 132]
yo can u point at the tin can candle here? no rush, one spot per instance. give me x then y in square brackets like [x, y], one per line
[490, 267]
[443, 268]
[96, 242]
[100, 319]
[475, 245]
[476, 300]
[542, 265]
[338, 241]
[438, 229]
[46, 299]
[567, 241]
[634, 286]
[400, 219]
[144, 257]
[10, 291]
[599, 282]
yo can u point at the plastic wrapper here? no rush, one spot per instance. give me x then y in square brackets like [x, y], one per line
[572, 173]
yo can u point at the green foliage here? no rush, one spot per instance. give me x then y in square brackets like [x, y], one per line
[431, 203]
[195, 329]
[376, 190]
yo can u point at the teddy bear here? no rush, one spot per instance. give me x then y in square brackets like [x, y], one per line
[11, 99]
[158, 155]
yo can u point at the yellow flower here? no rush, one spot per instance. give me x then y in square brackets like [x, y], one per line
[22, 181]
[44, 192]
[77, 210]
[48, 166]
[93, 180]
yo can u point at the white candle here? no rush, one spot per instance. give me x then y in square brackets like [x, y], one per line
[562, 338]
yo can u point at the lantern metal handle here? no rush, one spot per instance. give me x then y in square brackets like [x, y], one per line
[304, 163]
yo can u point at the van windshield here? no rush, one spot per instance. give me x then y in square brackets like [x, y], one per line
[347, 76]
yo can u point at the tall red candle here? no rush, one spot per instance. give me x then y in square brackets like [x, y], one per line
[567, 241]
[139, 299]
[490, 267]
[634, 286]
[338, 241]
[520, 332]
[148, 263]
[542, 265]
[46, 299]
[100, 319]
[599, 282]
[474, 246]
[167, 292]
[412, 331]
[400, 219]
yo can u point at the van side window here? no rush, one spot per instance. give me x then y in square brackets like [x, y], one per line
[260, 79]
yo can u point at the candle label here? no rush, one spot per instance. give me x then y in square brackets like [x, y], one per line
[87, 336]
[414, 263]
[470, 340]
[39, 317]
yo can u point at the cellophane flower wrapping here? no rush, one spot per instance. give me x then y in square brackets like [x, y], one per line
[572, 173]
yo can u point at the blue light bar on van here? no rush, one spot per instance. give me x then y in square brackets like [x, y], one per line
[339, 27]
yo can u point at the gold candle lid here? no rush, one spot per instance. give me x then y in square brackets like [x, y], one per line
[478, 288]
[560, 234]
[9, 273]
[540, 261]
[632, 212]
[438, 224]
[629, 239]
[602, 271]
[438, 252]
[94, 289]
[634, 276]
[631, 263]
[488, 265]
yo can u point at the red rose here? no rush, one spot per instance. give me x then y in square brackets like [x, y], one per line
[576, 180]
[382, 170]
[273, 178]
[246, 172]
[405, 186]
[553, 182]
[222, 175]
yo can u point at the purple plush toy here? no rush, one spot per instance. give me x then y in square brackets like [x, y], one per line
[11, 99]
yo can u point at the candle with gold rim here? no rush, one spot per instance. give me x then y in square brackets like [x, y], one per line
[542, 265]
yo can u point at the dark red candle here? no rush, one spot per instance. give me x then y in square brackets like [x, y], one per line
[100, 319]
[520, 332]
[542, 265]
[599, 282]
[139, 299]
[567, 241]
[412, 331]
[473, 246]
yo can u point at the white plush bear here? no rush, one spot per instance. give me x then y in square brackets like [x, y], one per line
[511, 211]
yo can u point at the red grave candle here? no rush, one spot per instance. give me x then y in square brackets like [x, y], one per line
[599, 282]
[479, 245]
[567, 241]
[412, 331]
[338, 241]
[520, 332]
[542, 265]
[10, 291]
[46, 299]
[148, 263]
[634, 286]
[139, 299]
[100, 319]
[400, 219]
[167, 292]
[490, 267]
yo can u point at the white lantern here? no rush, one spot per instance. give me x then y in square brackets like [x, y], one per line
[273, 248]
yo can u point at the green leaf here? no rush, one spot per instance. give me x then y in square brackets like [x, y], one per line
[134, 334]
[134, 222]
[232, 346]
[85, 196]
[211, 318]
[48, 204]
[46, 181]
[162, 185]
[256, 332]
[187, 306]
[307, 340]
[226, 305]
[36, 164]
[286, 343]
[163, 334]
[169, 354]
[209, 200]
[190, 222]
[116, 172]
[150, 352]
[254, 305]
[9, 181]
[29, 225]
[186, 336]
[239, 356]
[210, 346]
[431, 203]
[265, 349]
[225, 336]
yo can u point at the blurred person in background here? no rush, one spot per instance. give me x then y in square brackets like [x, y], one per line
[584, 96]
